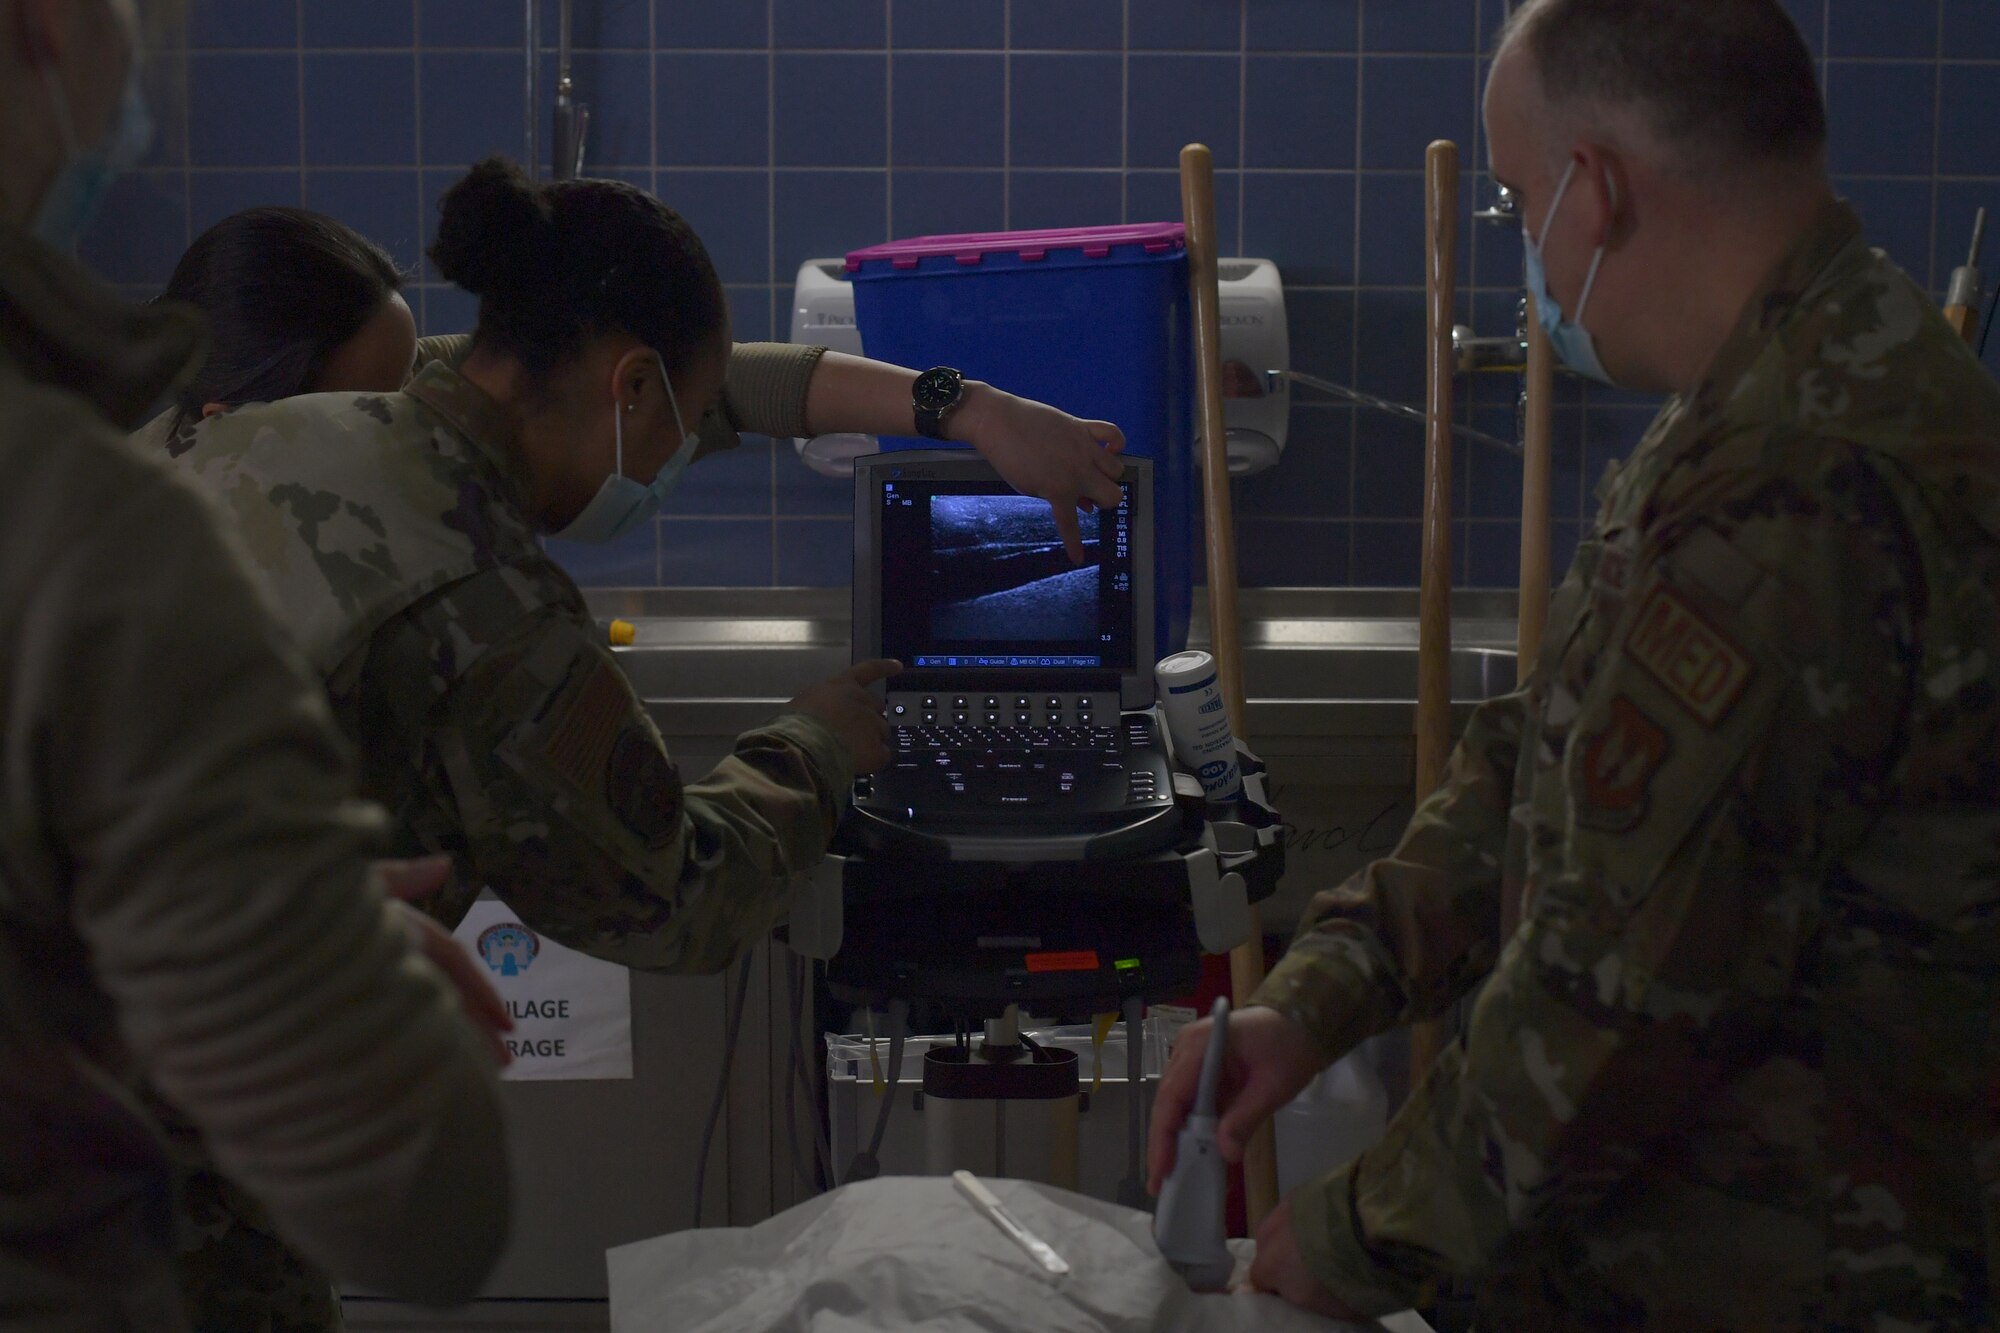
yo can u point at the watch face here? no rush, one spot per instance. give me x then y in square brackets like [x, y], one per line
[937, 390]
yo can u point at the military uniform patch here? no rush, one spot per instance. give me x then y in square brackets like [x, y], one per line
[580, 746]
[1617, 767]
[644, 787]
[1699, 666]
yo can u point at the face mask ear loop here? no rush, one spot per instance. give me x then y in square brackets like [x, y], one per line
[1597, 260]
[618, 435]
[1549, 218]
[680, 423]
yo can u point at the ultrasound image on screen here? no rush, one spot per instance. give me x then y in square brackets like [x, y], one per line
[999, 571]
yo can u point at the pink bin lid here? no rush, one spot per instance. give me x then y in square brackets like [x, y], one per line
[972, 247]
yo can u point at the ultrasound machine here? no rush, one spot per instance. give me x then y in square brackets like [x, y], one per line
[1021, 725]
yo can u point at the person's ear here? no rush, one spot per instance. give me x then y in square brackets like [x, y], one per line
[213, 410]
[1605, 185]
[629, 378]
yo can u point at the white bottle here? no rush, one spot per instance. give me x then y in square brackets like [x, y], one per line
[1198, 722]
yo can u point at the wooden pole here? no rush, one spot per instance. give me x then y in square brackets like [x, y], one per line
[1434, 602]
[1246, 960]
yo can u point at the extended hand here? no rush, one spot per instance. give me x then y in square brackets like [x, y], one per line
[851, 712]
[1044, 452]
[1280, 1269]
[413, 881]
[1270, 1058]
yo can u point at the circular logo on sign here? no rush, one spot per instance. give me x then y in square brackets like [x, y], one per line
[508, 947]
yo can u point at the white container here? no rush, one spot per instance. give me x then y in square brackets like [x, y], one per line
[1198, 722]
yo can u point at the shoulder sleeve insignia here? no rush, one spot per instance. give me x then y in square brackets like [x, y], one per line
[644, 788]
[1700, 667]
[579, 747]
[1619, 762]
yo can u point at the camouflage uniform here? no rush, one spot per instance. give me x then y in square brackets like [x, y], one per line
[1737, 1067]
[492, 719]
[184, 893]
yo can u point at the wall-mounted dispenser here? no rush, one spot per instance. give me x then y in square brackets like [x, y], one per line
[1255, 338]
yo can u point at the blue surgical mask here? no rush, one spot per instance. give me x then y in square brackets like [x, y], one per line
[1572, 342]
[73, 197]
[622, 504]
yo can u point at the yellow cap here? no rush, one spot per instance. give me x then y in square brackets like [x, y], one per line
[623, 634]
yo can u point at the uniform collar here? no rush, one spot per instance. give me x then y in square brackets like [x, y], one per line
[64, 328]
[473, 413]
[1822, 253]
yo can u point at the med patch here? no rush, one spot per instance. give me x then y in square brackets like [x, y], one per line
[1700, 667]
[1618, 764]
[644, 788]
[579, 748]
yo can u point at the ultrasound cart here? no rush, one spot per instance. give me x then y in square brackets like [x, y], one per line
[1031, 844]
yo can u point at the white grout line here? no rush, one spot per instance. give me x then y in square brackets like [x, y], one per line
[1937, 277]
[1125, 111]
[1007, 119]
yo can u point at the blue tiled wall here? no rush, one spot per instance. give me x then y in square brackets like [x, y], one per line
[789, 129]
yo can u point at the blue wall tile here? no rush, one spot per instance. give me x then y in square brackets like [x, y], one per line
[1299, 111]
[601, 25]
[1408, 101]
[1493, 479]
[241, 23]
[824, 214]
[801, 492]
[360, 109]
[1175, 100]
[1291, 554]
[1312, 479]
[1388, 467]
[1389, 356]
[830, 23]
[472, 107]
[731, 212]
[243, 110]
[1066, 110]
[469, 23]
[750, 310]
[617, 86]
[447, 309]
[1810, 15]
[1066, 25]
[1303, 222]
[948, 111]
[1387, 555]
[960, 25]
[1969, 138]
[713, 109]
[1321, 329]
[360, 23]
[1304, 25]
[1187, 25]
[1881, 118]
[705, 25]
[1155, 196]
[1392, 229]
[215, 195]
[384, 206]
[942, 203]
[1493, 555]
[148, 229]
[733, 484]
[1872, 29]
[815, 553]
[1042, 199]
[1897, 215]
[832, 110]
[1421, 25]
[1972, 29]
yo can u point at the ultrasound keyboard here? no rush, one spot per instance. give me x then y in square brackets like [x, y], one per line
[1041, 776]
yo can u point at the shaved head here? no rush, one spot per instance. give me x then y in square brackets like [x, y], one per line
[1704, 87]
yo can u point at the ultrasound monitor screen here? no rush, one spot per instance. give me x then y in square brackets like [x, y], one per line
[974, 575]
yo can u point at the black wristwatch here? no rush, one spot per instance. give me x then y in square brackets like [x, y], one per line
[935, 396]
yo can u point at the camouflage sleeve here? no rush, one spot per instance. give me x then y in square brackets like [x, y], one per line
[1405, 937]
[1734, 737]
[570, 809]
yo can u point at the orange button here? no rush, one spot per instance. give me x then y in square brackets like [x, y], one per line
[1076, 960]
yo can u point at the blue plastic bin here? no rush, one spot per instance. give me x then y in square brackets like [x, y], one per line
[1093, 320]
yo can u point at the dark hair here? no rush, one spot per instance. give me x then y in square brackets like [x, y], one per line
[556, 265]
[1729, 81]
[282, 289]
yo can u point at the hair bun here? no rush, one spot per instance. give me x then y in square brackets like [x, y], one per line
[494, 232]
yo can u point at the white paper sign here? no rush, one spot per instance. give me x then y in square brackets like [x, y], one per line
[572, 1013]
